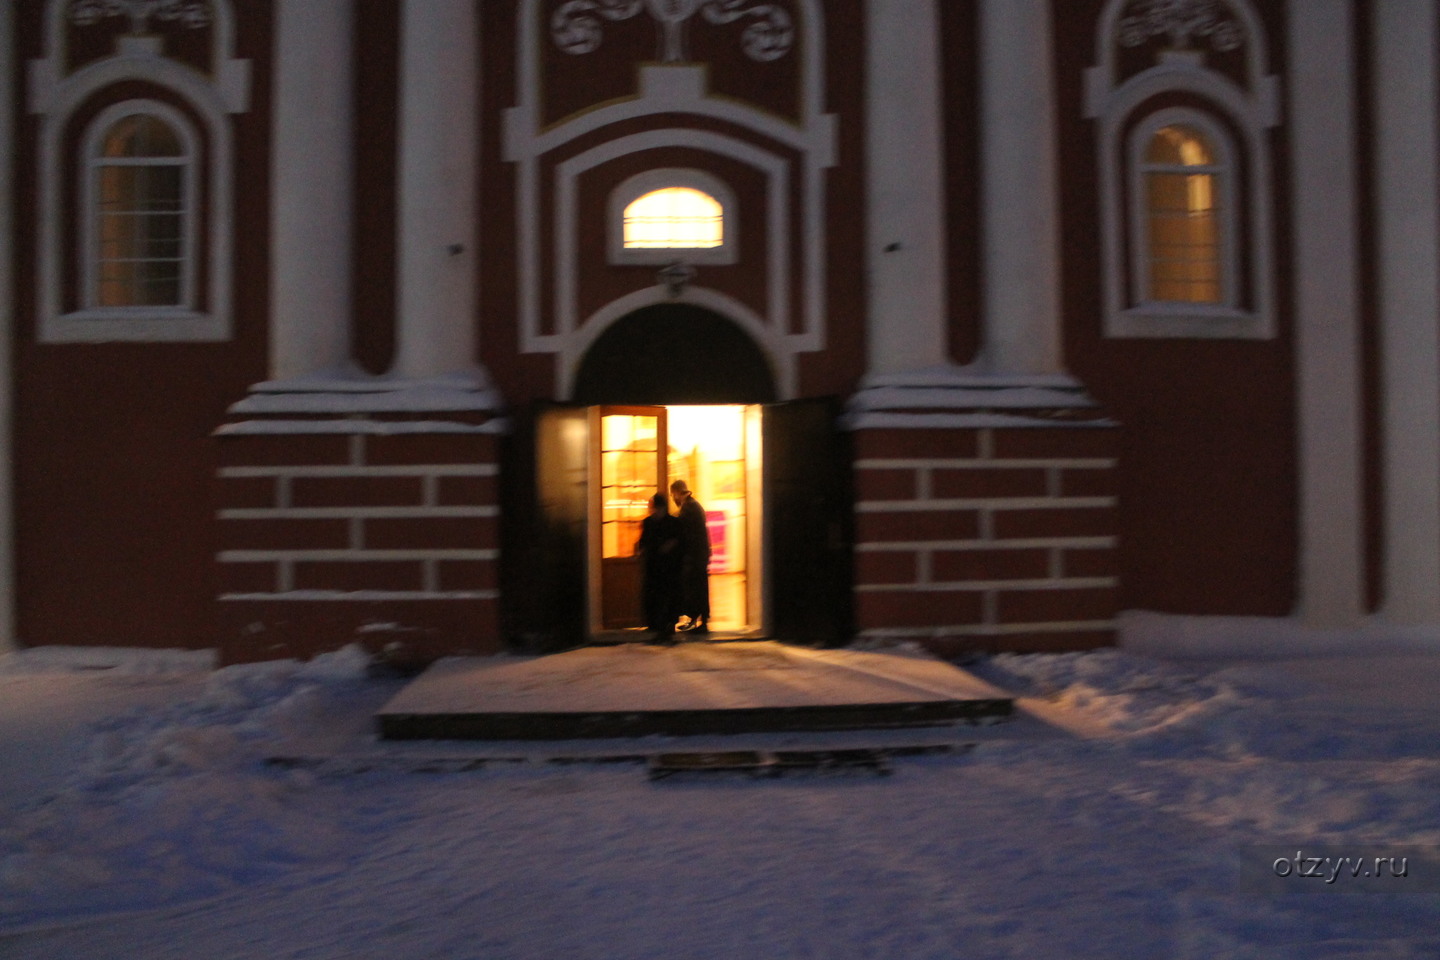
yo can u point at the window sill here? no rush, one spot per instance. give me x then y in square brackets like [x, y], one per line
[1192, 321]
[137, 324]
[723, 255]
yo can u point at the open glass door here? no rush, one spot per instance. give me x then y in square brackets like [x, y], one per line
[631, 470]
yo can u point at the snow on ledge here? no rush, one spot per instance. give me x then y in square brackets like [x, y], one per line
[971, 377]
[989, 398]
[130, 661]
[348, 392]
[865, 420]
[1195, 637]
[370, 427]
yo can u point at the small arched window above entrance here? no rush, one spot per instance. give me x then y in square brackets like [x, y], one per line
[661, 216]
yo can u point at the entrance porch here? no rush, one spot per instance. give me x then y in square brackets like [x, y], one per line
[694, 688]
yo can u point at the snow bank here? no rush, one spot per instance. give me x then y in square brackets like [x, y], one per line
[1170, 635]
[177, 803]
[1245, 746]
[1131, 845]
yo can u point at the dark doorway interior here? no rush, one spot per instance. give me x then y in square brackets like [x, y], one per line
[674, 353]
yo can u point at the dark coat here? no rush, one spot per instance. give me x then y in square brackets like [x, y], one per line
[695, 577]
[662, 550]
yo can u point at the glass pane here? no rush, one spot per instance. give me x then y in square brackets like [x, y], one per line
[616, 432]
[610, 465]
[628, 534]
[1184, 235]
[674, 217]
[141, 135]
[1179, 146]
[645, 429]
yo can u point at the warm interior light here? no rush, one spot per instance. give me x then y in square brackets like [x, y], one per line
[707, 451]
[1184, 222]
[674, 218]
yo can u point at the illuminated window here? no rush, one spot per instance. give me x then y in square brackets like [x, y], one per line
[1183, 109]
[1182, 228]
[1186, 256]
[664, 215]
[675, 218]
[140, 237]
[630, 474]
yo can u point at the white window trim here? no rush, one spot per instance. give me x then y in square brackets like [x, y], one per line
[638, 186]
[90, 198]
[1253, 109]
[1223, 172]
[55, 94]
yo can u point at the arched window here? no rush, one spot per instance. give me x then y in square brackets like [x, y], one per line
[140, 250]
[1185, 247]
[674, 218]
[135, 213]
[1183, 105]
[664, 215]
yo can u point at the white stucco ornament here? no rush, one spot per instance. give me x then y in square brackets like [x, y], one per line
[193, 14]
[576, 25]
[1186, 22]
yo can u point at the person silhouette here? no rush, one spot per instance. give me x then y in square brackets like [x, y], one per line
[695, 565]
[662, 553]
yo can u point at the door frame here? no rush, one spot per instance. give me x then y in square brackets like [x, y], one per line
[595, 534]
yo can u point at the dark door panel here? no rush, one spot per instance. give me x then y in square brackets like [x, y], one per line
[808, 508]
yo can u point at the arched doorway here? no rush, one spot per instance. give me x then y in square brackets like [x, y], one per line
[674, 353]
[676, 391]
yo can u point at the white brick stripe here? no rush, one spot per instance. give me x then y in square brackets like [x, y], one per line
[975, 586]
[985, 503]
[913, 463]
[323, 596]
[355, 513]
[1070, 543]
[356, 556]
[419, 470]
[985, 630]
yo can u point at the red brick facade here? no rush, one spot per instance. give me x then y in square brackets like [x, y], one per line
[988, 538]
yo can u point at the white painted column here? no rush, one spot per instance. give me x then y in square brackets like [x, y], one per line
[312, 193]
[1407, 165]
[906, 243]
[439, 114]
[1021, 196]
[7, 327]
[1321, 51]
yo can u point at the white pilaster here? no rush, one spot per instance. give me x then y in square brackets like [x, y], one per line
[1407, 166]
[7, 326]
[312, 195]
[906, 243]
[438, 154]
[1321, 51]
[1020, 215]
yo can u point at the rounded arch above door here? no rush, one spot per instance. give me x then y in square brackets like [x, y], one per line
[674, 353]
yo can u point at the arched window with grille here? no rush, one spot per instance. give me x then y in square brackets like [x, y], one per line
[672, 214]
[1183, 109]
[1184, 204]
[140, 240]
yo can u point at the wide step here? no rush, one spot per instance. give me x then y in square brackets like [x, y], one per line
[694, 689]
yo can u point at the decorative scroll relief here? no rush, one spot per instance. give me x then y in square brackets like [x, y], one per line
[192, 14]
[1187, 23]
[577, 28]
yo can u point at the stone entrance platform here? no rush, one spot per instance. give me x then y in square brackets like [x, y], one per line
[690, 689]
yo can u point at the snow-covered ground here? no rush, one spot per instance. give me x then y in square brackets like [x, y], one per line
[139, 820]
